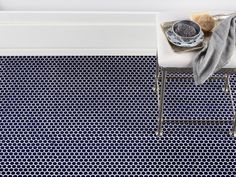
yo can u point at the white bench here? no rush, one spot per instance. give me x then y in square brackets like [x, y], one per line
[170, 61]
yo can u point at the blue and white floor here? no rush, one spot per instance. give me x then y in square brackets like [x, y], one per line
[96, 116]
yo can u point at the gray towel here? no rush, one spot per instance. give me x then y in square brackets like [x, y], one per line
[217, 53]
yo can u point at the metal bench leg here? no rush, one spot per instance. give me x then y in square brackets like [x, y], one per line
[226, 83]
[160, 106]
[233, 133]
[156, 86]
[228, 90]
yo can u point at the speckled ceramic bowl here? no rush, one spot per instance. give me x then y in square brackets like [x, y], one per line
[190, 23]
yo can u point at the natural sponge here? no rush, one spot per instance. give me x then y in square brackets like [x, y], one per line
[205, 20]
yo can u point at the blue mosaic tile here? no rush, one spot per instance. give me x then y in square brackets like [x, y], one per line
[96, 116]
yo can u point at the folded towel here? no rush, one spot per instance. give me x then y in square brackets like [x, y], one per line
[217, 53]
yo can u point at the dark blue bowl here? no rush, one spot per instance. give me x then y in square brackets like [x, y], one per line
[194, 26]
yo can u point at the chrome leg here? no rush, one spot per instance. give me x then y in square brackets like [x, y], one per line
[226, 83]
[229, 90]
[233, 132]
[156, 86]
[161, 106]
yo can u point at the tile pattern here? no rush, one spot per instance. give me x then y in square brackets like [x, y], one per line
[95, 116]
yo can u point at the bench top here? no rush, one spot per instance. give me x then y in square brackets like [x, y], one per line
[170, 59]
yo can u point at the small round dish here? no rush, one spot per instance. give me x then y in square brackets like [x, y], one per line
[178, 41]
[193, 29]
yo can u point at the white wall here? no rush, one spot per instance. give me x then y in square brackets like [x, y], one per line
[117, 5]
